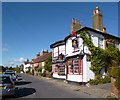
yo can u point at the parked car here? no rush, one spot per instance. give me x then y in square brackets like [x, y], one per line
[14, 77]
[7, 86]
[8, 71]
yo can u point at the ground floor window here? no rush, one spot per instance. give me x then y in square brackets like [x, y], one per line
[75, 66]
[61, 69]
[55, 68]
[70, 69]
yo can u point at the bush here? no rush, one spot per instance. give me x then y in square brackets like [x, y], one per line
[33, 72]
[115, 73]
[100, 81]
[40, 69]
[43, 74]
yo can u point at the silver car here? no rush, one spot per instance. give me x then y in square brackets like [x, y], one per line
[14, 77]
[7, 86]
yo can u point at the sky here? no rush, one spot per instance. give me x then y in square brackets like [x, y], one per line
[30, 27]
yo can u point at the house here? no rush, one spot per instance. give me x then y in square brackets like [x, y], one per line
[71, 57]
[27, 66]
[39, 62]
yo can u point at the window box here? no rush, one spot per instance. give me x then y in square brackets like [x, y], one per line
[61, 73]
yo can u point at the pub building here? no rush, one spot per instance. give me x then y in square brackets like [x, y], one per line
[71, 59]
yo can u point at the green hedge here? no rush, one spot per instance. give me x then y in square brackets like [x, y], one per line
[100, 81]
[115, 73]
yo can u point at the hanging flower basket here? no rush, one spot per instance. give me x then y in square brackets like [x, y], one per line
[61, 73]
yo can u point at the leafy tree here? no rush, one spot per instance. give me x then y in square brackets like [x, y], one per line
[48, 64]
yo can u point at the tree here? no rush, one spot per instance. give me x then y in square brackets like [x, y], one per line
[48, 64]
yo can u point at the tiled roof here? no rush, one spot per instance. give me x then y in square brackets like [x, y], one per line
[83, 28]
[42, 57]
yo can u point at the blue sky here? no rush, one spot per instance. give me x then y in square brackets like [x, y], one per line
[29, 27]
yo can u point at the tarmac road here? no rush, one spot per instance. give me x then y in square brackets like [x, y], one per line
[35, 87]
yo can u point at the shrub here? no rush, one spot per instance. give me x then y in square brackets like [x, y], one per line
[115, 73]
[40, 69]
[100, 81]
[33, 72]
[43, 74]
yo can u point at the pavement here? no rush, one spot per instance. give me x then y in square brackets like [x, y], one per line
[101, 91]
[42, 87]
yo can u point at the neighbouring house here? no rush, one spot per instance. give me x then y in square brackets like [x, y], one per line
[22, 66]
[27, 66]
[39, 62]
[71, 59]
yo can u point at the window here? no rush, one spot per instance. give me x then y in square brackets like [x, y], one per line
[62, 49]
[76, 66]
[61, 69]
[42, 63]
[55, 51]
[70, 69]
[55, 68]
[100, 42]
[117, 45]
[88, 58]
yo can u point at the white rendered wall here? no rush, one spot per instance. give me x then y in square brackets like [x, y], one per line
[62, 49]
[55, 75]
[88, 74]
[75, 78]
[26, 67]
[70, 49]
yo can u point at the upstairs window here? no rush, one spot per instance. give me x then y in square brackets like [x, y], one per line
[62, 49]
[100, 42]
[88, 58]
[117, 45]
[55, 51]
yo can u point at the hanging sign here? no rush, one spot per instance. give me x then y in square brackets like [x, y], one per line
[75, 43]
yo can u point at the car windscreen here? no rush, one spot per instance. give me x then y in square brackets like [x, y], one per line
[5, 80]
[12, 74]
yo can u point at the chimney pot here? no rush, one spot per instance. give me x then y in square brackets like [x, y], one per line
[75, 21]
[94, 12]
[104, 29]
[78, 22]
[72, 20]
[97, 7]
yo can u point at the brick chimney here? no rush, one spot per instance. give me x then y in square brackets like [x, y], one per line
[45, 52]
[27, 60]
[75, 25]
[38, 54]
[97, 19]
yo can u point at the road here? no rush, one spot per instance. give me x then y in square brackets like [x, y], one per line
[35, 87]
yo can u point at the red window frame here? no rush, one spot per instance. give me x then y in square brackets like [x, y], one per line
[79, 73]
[54, 70]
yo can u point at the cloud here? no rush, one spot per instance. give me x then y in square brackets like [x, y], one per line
[12, 62]
[5, 49]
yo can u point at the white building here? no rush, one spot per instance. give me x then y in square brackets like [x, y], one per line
[76, 61]
[27, 66]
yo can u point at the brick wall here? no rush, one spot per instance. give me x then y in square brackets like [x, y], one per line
[114, 90]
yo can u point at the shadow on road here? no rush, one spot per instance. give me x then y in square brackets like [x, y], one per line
[21, 93]
[22, 83]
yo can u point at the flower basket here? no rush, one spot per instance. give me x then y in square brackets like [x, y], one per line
[61, 73]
